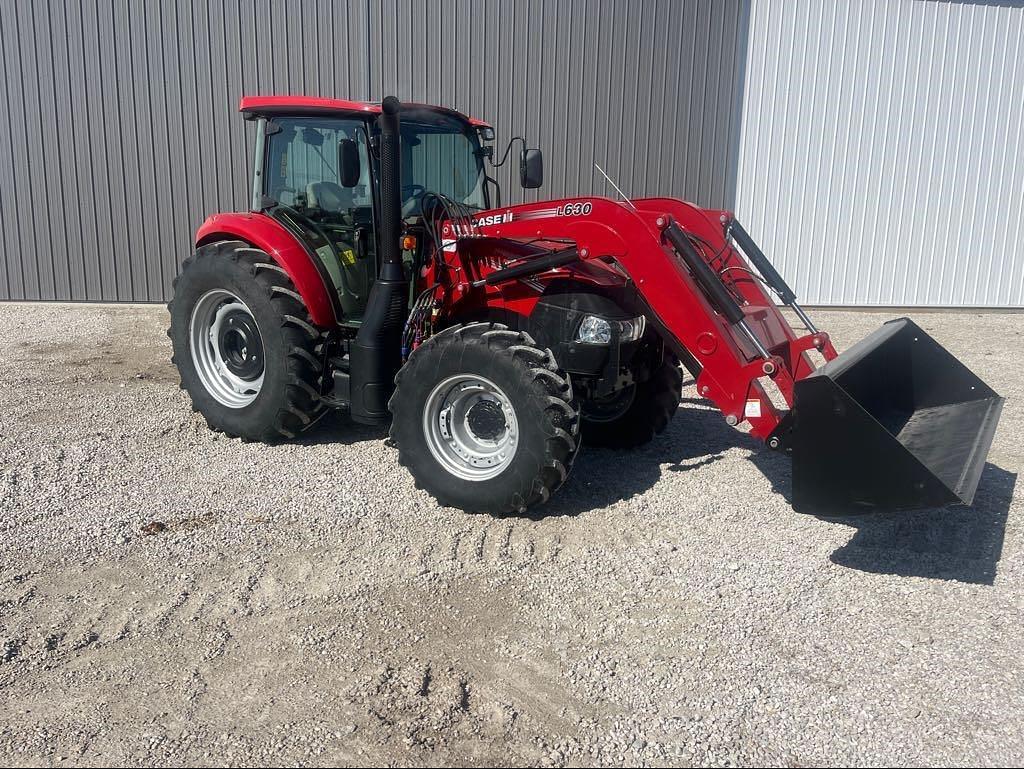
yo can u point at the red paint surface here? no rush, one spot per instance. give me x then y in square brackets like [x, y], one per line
[261, 231]
[632, 238]
[297, 104]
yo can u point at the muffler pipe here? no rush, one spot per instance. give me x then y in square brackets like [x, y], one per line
[390, 182]
[376, 354]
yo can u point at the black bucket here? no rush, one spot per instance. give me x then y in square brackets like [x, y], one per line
[893, 423]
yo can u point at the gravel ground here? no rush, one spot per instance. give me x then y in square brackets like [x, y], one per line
[170, 596]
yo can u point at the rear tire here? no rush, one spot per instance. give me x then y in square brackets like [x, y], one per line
[269, 400]
[484, 419]
[644, 411]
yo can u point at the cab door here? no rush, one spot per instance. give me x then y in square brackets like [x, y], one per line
[303, 185]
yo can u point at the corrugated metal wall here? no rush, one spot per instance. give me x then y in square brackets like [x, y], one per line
[880, 158]
[122, 130]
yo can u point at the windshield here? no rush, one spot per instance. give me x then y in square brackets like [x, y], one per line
[440, 154]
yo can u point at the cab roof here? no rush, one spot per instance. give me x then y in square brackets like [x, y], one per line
[319, 105]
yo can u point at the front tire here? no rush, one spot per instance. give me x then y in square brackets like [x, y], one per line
[484, 419]
[244, 344]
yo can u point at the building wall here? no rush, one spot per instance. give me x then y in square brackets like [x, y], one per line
[872, 146]
[881, 156]
[123, 132]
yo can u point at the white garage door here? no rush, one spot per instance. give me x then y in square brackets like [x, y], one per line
[880, 150]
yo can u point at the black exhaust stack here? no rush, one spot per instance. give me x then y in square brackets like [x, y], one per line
[375, 356]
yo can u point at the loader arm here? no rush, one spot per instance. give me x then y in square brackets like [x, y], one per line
[726, 361]
[894, 423]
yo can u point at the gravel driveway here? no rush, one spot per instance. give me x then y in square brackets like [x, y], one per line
[171, 596]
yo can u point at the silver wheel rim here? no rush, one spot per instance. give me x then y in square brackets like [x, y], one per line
[462, 422]
[212, 317]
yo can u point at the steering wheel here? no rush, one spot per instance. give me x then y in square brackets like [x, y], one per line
[414, 193]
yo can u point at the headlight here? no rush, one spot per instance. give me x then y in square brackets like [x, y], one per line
[633, 329]
[596, 330]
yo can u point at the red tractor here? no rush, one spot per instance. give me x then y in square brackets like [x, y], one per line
[377, 272]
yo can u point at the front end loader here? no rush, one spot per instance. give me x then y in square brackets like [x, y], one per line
[377, 273]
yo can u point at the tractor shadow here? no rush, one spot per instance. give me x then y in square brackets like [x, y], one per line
[956, 542]
[696, 436]
[338, 429]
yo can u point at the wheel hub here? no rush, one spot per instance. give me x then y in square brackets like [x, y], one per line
[486, 419]
[240, 344]
[611, 407]
[470, 427]
[227, 349]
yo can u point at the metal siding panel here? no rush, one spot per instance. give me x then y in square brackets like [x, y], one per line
[239, 144]
[38, 193]
[180, 148]
[98, 146]
[145, 241]
[880, 149]
[1012, 289]
[247, 78]
[29, 251]
[584, 130]
[122, 269]
[10, 246]
[222, 114]
[640, 90]
[50, 152]
[136, 257]
[193, 121]
[78, 78]
[154, 125]
[204, 176]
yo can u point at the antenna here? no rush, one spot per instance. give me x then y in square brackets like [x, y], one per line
[621, 193]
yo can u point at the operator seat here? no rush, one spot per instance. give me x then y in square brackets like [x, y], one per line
[329, 196]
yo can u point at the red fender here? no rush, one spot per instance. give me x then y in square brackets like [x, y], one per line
[263, 232]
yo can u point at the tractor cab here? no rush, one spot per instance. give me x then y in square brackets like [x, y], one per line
[317, 173]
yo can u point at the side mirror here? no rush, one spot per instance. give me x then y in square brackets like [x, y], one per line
[531, 169]
[348, 163]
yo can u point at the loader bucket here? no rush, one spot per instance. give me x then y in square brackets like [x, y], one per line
[894, 423]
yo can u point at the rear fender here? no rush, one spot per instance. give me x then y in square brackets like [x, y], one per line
[263, 232]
